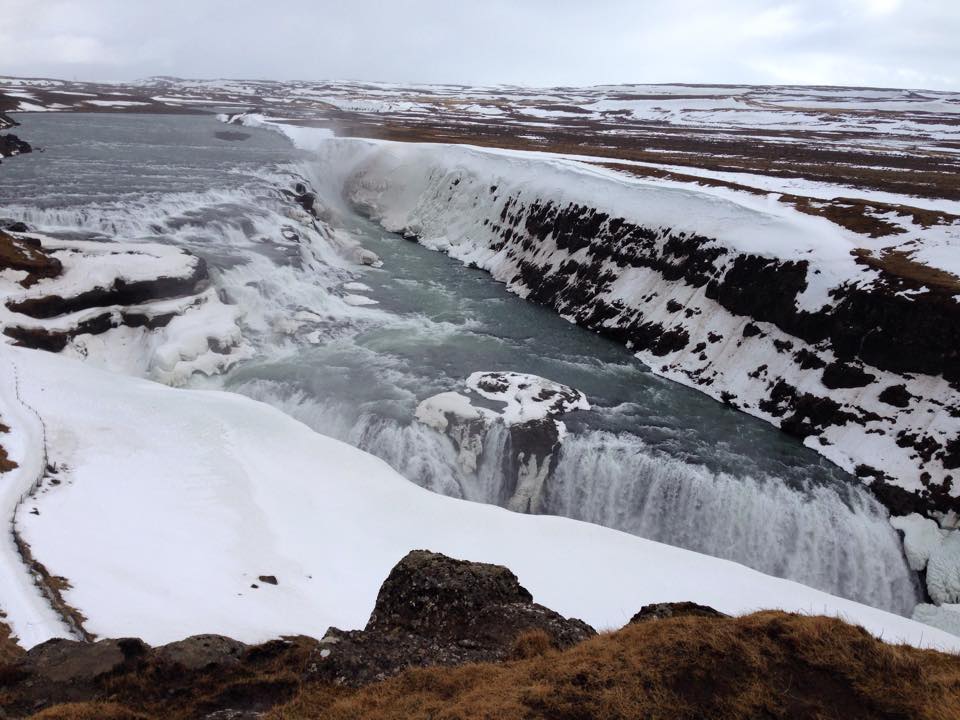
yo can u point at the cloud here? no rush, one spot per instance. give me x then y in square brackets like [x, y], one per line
[534, 42]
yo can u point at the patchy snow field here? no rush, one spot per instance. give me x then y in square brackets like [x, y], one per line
[173, 502]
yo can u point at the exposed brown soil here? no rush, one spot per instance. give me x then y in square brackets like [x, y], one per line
[53, 587]
[27, 255]
[9, 649]
[918, 174]
[450, 639]
[6, 464]
[899, 264]
[854, 214]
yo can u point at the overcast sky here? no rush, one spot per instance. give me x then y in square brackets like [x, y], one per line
[898, 43]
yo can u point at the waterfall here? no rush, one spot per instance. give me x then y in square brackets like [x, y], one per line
[830, 536]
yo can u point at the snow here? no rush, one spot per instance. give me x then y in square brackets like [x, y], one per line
[174, 501]
[943, 571]
[943, 617]
[526, 397]
[114, 103]
[921, 537]
[434, 410]
[352, 299]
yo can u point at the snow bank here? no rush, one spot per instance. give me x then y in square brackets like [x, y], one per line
[921, 536]
[173, 502]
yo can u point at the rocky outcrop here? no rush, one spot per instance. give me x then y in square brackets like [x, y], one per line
[61, 294]
[527, 409]
[7, 122]
[662, 611]
[433, 610]
[11, 145]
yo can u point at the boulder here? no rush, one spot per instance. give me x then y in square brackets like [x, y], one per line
[434, 610]
[663, 611]
[60, 661]
[200, 652]
[12, 145]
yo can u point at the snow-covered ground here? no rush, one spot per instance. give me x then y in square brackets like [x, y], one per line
[171, 503]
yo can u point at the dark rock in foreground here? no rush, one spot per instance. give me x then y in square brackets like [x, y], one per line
[433, 610]
[662, 611]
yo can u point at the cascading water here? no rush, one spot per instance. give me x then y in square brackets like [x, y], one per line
[652, 458]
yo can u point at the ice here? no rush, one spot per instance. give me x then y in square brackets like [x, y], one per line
[921, 537]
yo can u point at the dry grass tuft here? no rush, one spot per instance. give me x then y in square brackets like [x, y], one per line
[9, 649]
[6, 464]
[899, 264]
[770, 665]
[531, 644]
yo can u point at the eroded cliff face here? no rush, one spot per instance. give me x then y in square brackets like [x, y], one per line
[852, 349]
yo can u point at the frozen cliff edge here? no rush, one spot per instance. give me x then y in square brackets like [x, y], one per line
[786, 316]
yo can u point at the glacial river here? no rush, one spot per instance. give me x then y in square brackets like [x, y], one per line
[651, 458]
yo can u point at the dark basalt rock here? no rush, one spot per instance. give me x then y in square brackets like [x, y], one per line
[68, 661]
[808, 414]
[231, 135]
[11, 225]
[872, 321]
[121, 292]
[11, 145]
[808, 360]
[27, 255]
[7, 122]
[662, 611]
[434, 610]
[896, 395]
[200, 652]
[842, 375]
